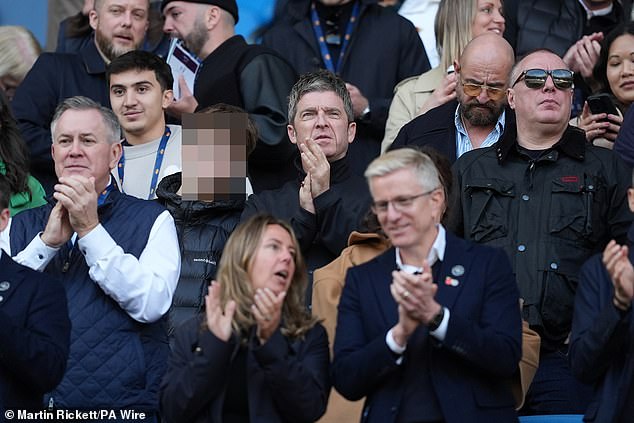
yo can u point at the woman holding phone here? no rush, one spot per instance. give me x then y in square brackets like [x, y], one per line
[602, 116]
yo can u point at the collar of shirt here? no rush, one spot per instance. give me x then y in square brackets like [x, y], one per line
[436, 253]
[463, 143]
[598, 12]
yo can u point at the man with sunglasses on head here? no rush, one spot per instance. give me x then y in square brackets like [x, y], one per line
[477, 117]
[551, 201]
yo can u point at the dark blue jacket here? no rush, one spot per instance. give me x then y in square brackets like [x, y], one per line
[34, 335]
[115, 361]
[470, 370]
[601, 343]
[624, 144]
[53, 78]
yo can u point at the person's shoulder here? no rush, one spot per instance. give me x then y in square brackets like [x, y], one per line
[385, 261]
[480, 156]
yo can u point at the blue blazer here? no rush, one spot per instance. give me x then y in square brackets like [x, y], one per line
[470, 370]
[34, 335]
[601, 343]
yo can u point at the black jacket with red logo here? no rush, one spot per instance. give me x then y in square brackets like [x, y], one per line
[549, 210]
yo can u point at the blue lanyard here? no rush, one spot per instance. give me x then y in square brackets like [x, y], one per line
[104, 194]
[160, 153]
[319, 33]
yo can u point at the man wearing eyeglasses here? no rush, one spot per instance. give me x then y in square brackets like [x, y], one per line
[477, 117]
[551, 201]
[428, 331]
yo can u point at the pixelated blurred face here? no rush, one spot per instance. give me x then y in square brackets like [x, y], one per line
[488, 18]
[214, 157]
[119, 25]
[273, 265]
[321, 117]
[185, 21]
[138, 101]
[81, 147]
[620, 68]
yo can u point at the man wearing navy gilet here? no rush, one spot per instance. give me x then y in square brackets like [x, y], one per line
[118, 259]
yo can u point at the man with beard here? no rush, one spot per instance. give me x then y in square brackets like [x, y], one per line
[478, 117]
[551, 200]
[251, 77]
[120, 26]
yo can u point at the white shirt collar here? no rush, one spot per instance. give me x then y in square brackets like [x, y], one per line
[437, 252]
[598, 12]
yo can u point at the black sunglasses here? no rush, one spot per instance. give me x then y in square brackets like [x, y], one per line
[536, 78]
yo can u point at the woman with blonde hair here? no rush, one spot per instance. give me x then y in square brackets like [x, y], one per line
[457, 22]
[256, 354]
[19, 49]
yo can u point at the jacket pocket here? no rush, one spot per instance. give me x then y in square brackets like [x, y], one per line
[490, 208]
[575, 208]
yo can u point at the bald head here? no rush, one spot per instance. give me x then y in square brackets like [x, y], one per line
[490, 50]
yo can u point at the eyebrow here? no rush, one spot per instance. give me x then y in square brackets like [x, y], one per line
[493, 84]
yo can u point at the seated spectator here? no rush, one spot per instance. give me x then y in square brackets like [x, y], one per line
[601, 340]
[118, 259]
[479, 117]
[26, 191]
[256, 354]
[572, 29]
[383, 49]
[457, 22]
[120, 26]
[327, 201]
[615, 73]
[140, 85]
[35, 329]
[19, 50]
[444, 326]
[206, 213]
[252, 77]
[75, 32]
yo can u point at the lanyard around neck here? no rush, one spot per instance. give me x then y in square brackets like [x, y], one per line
[319, 33]
[160, 153]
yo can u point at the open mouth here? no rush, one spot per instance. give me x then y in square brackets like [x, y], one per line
[282, 274]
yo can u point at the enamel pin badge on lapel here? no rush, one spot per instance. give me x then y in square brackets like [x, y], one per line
[451, 281]
[4, 285]
[457, 270]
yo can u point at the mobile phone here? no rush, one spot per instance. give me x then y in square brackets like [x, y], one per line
[601, 103]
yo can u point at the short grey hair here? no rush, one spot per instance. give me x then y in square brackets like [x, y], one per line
[423, 166]
[113, 129]
[319, 81]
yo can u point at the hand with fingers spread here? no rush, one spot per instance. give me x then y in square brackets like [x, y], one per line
[621, 271]
[219, 320]
[58, 229]
[359, 101]
[267, 310]
[78, 196]
[444, 93]
[187, 103]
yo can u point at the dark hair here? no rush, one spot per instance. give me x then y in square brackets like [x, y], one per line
[142, 61]
[5, 192]
[13, 150]
[319, 81]
[599, 72]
